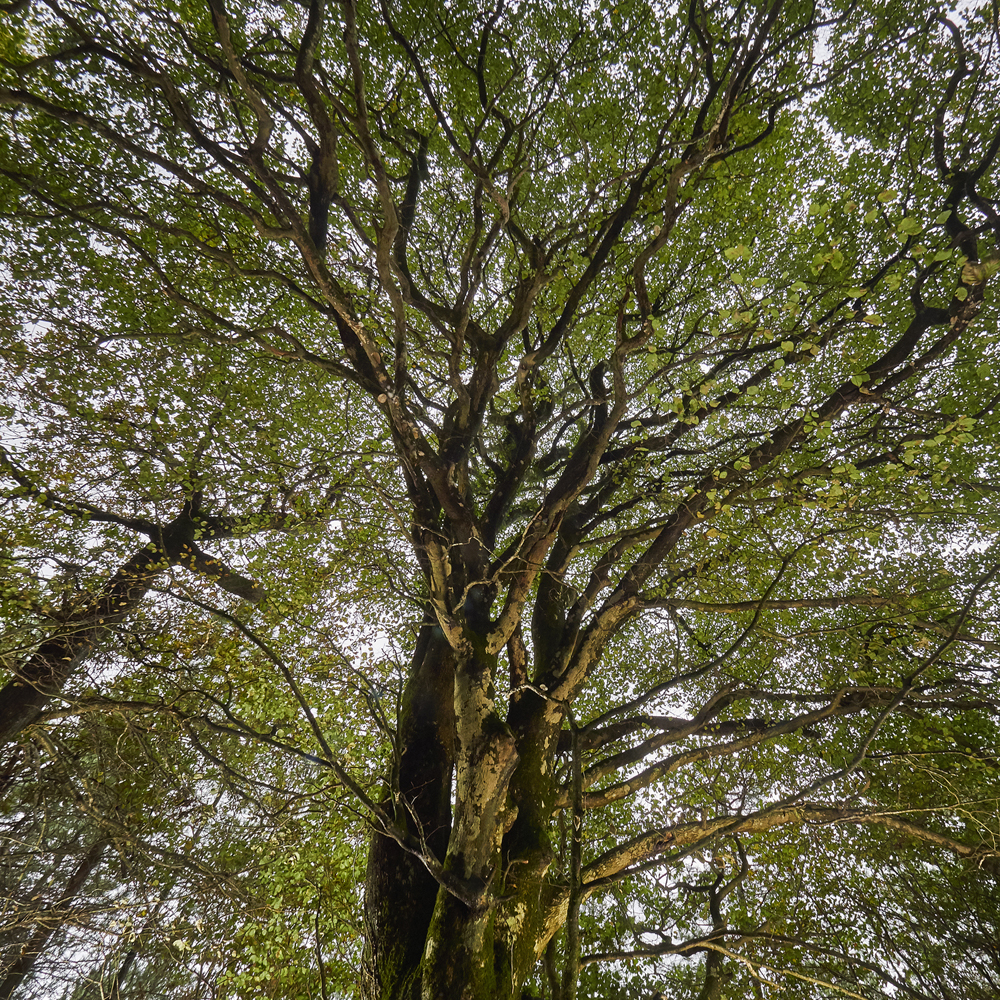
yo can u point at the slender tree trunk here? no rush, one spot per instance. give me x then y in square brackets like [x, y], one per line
[717, 971]
[50, 922]
[115, 988]
[94, 988]
[43, 675]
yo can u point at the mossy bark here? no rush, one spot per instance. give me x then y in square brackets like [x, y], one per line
[479, 937]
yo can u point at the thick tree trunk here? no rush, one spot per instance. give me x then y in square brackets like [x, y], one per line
[481, 937]
[716, 977]
[459, 959]
[399, 891]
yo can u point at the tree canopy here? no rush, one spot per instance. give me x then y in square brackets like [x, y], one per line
[499, 499]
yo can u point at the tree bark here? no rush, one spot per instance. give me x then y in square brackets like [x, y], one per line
[43, 675]
[480, 936]
[50, 922]
[399, 891]
[716, 977]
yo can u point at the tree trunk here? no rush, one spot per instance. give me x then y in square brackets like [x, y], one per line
[716, 977]
[480, 936]
[50, 922]
[95, 988]
[43, 675]
[399, 891]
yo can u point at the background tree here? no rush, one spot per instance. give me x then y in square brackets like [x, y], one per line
[123, 878]
[591, 416]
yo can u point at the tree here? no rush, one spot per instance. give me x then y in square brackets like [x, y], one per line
[612, 388]
[123, 878]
